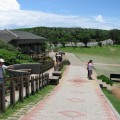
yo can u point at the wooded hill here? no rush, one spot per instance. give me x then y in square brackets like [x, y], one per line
[62, 35]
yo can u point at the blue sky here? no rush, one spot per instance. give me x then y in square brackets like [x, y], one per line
[101, 14]
[74, 7]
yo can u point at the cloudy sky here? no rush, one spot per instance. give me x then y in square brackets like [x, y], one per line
[101, 14]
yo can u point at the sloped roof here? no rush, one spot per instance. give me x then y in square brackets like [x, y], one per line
[26, 35]
[8, 35]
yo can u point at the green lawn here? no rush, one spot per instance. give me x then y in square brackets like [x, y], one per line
[106, 54]
[112, 99]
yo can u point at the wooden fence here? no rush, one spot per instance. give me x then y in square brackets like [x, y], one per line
[25, 85]
[33, 84]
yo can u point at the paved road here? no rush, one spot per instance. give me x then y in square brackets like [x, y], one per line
[75, 98]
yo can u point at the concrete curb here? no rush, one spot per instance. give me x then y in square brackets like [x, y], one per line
[110, 104]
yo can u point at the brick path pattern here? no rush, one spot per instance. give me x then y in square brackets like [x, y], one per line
[75, 98]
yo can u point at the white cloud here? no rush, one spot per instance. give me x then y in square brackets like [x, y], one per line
[9, 5]
[11, 16]
[99, 18]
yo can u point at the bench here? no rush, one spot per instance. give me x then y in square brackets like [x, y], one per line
[115, 76]
[57, 73]
[53, 80]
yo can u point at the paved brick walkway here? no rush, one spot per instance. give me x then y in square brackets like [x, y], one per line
[75, 98]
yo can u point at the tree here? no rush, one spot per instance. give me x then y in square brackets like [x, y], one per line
[74, 36]
[63, 41]
[100, 43]
[43, 46]
[85, 38]
[115, 36]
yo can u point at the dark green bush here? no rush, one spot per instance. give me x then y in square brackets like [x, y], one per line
[14, 58]
[55, 49]
[6, 46]
[105, 79]
[100, 43]
[11, 55]
[101, 77]
[66, 62]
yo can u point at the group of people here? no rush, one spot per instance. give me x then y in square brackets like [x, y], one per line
[59, 57]
[90, 66]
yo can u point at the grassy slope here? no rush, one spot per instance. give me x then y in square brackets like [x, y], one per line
[108, 55]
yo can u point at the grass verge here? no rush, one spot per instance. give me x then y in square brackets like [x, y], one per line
[32, 99]
[115, 101]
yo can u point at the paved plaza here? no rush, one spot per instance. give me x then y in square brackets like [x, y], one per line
[75, 98]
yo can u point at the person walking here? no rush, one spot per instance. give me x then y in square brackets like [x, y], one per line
[90, 69]
[58, 56]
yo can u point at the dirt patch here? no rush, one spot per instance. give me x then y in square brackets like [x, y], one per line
[112, 49]
[116, 92]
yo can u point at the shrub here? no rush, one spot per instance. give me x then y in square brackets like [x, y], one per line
[9, 47]
[12, 55]
[14, 58]
[100, 43]
[105, 79]
[101, 77]
[55, 49]
[66, 62]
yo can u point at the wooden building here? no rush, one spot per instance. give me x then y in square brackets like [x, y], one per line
[26, 41]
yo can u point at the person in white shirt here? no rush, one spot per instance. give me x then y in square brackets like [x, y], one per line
[2, 70]
[90, 68]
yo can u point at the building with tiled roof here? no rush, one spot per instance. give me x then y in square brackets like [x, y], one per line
[25, 40]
